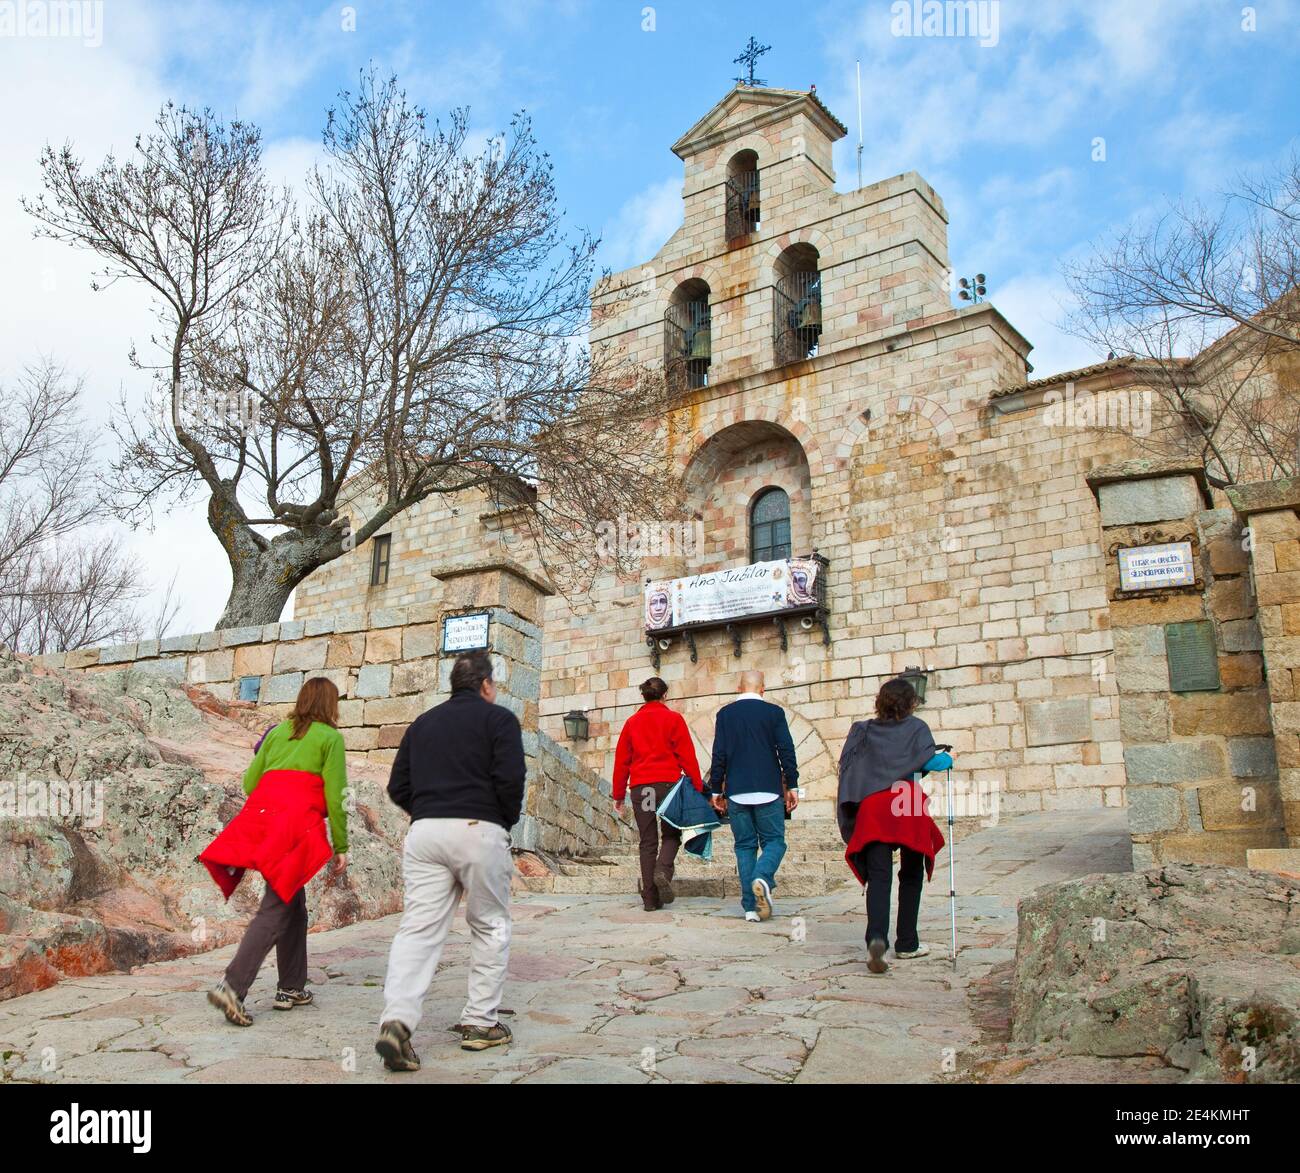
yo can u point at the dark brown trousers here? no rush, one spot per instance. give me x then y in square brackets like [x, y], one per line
[659, 841]
[279, 924]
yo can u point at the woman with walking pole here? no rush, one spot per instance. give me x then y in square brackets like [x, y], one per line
[881, 809]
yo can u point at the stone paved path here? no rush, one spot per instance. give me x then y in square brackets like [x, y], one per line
[602, 992]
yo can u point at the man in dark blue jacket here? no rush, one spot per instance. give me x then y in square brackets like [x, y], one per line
[755, 773]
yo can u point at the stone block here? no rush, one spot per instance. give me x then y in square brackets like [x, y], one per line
[1139, 502]
[305, 655]
[351, 712]
[235, 636]
[412, 677]
[421, 640]
[1252, 757]
[1141, 663]
[211, 667]
[254, 659]
[82, 658]
[320, 625]
[179, 643]
[292, 629]
[374, 680]
[359, 738]
[1174, 762]
[383, 645]
[1154, 808]
[171, 669]
[1228, 714]
[1236, 806]
[1144, 717]
[400, 710]
[390, 736]
[1240, 635]
[283, 688]
[118, 654]
[346, 651]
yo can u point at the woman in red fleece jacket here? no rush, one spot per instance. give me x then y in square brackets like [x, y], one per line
[654, 751]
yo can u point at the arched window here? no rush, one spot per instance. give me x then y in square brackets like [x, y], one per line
[797, 304]
[688, 335]
[769, 526]
[744, 209]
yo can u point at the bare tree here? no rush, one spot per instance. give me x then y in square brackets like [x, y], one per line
[46, 456]
[71, 595]
[58, 589]
[417, 329]
[1209, 302]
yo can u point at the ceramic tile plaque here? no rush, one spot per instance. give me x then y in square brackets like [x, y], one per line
[1144, 568]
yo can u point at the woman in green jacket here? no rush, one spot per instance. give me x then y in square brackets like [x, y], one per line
[295, 782]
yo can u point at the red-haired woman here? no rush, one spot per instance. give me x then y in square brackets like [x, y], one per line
[294, 783]
[882, 808]
[654, 751]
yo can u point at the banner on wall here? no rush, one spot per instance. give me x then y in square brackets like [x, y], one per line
[760, 588]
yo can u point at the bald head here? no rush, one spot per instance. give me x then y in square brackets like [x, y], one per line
[750, 681]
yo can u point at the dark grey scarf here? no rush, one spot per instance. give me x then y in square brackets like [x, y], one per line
[877, 754]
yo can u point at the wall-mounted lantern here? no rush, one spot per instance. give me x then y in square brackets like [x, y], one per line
[575, 725]
[917, 678]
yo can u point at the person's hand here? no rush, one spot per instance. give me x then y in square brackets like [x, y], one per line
[791, 800]
[618, 808]
[339, 865]
[719, 804]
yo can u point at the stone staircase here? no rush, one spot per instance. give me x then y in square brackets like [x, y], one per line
[813, 865]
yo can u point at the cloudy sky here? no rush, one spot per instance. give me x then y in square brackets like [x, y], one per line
[1186, 95]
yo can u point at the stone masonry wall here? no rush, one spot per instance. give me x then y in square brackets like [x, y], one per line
[388, 669]
[1201, 766]
[1272, 511]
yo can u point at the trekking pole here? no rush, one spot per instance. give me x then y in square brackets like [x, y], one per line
[952, 883]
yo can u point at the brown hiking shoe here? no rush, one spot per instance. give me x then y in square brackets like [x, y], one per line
[230, 1004]
[394, 1047]
[480, 1038]
[664, 886]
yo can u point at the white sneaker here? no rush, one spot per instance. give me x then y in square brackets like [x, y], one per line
[922, 950]
[763, 897]
[753, 916]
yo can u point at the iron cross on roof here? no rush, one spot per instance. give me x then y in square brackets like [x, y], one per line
[753, 51]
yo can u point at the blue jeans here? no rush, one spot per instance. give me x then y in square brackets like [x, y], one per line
[755, 827]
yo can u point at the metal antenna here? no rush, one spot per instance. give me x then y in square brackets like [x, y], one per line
[859, 122]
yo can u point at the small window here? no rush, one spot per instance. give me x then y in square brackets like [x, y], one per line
[769, 526]
[250, 688]
[379, 560]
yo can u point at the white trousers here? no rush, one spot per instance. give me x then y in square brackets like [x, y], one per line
[443, 858]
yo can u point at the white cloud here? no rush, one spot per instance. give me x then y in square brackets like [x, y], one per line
[642, 226]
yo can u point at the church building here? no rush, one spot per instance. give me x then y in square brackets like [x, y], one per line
[840, 418]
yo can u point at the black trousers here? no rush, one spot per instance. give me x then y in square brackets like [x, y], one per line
[876, 860]
[279, 924]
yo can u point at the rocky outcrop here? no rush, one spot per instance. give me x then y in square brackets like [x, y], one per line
[1196, 966]
[110, 785]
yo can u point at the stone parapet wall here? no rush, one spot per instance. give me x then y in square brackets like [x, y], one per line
[388, 668]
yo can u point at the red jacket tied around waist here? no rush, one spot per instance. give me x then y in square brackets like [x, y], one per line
[901, 816]
[655, 746]
[280, 832]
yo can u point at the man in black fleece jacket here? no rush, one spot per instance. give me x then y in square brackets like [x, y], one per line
[459, 774]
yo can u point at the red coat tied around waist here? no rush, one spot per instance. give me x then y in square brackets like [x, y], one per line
[899, 815]
[280, 832]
